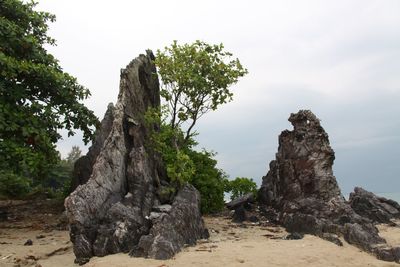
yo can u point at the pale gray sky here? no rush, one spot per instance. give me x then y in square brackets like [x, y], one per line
[341, 59]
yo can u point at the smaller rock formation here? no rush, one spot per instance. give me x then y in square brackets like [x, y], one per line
[244, 208]
[172, 228]
[301, 193]
[378, 209]
[244, 200]
[28, 242]
[294, 236]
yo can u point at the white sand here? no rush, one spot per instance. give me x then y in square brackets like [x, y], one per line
[228, 246]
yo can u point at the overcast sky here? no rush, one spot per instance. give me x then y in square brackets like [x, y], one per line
[341, 59]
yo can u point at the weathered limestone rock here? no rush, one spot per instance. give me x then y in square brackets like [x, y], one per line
[83, 167]
[378, 209]
[301, 193]
[110, 213]
[172, 230]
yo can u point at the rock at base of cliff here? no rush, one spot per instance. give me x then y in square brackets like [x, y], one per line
[378, 209]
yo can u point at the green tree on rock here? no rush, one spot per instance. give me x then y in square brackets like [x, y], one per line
[37, 98]
[195, 79]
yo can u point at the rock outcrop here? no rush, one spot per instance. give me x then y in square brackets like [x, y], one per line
[244, 208]
[171, 230]
[244, 200]
[301, 193]
[378, 209]
[83, 167]
[118, 208]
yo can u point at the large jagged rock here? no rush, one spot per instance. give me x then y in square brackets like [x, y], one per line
[301, 193]
[83, 167]
[378, 209]
[303, 165]
[118, 207]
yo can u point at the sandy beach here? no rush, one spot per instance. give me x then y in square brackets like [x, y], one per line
[229, 245]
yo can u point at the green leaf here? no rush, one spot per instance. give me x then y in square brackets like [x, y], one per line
[197, 77]
[37, 98]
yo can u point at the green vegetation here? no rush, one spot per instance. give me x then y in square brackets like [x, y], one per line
[195, 79]
[13, 185]
[59, 180]
[56, 184]
[209, 180]
[37, 97]
[240, 186]
[184, 164]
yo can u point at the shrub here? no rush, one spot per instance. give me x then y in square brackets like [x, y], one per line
[240, 186]
[13, 185]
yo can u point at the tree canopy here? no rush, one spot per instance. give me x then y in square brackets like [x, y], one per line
[195, 79]
[184, 163]
[240, 186]
[37, 97]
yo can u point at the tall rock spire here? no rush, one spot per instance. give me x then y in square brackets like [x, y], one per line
[115, 210]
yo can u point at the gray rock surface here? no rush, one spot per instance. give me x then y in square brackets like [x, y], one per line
[172, 230]
[240, 201]
[378, 209]
[83, 167]
[301, 193]
[162, 208]
[244, 208]
[239, 215]
[110, 212]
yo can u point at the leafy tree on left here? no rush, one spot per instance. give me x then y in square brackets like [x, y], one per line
[37, 98]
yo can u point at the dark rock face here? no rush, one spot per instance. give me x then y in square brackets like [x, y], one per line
[294, 236]
[240, 201]
[377, 209]
[28, 242]
[301, 193]
[170, 231]
[239, 215]
[83, 167]
[3, 215]
[303, 165]
[244, 208]
[116, 209]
